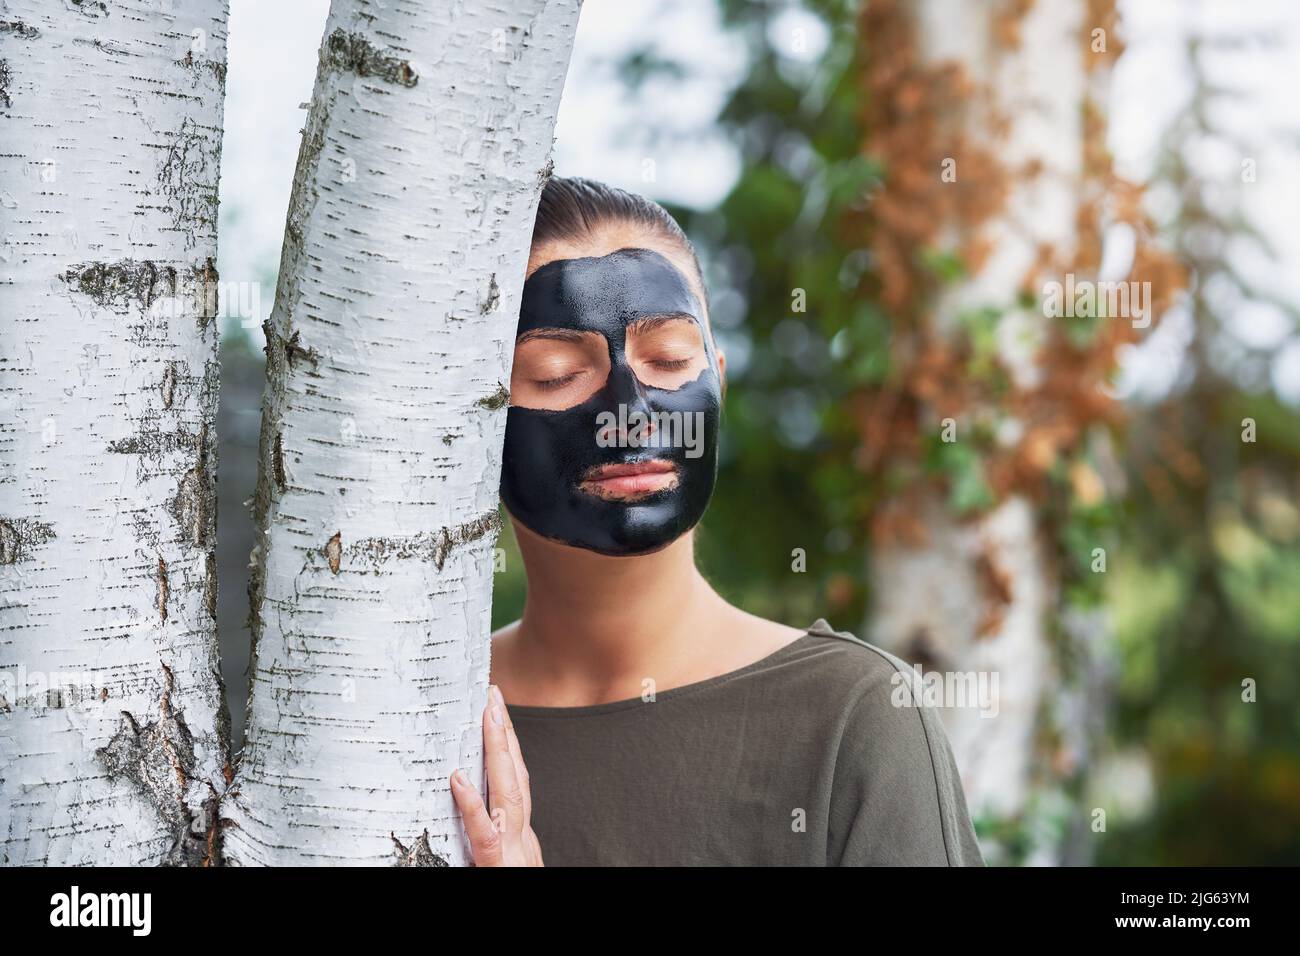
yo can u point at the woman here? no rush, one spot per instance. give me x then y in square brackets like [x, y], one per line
[651, 722]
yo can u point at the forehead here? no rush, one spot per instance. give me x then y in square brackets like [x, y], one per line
[604, 293]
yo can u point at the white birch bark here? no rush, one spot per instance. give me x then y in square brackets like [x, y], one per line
[111, 742]
[930, 597]
[424, 153]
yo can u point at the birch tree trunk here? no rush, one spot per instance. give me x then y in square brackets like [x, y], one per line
[1000, 144]
[424, 153]
[112, 748]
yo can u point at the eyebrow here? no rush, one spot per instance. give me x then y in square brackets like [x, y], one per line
[648, 323]
[563, 335]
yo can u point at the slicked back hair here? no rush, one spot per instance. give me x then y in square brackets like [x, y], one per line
[574, 208]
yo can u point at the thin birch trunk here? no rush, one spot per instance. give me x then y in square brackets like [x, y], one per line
[112, 742]
[388, 353]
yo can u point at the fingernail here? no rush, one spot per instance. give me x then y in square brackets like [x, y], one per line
[496, 696]
[496, 716]
[458, 778]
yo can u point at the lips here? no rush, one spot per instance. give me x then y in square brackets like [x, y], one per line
[630, 480]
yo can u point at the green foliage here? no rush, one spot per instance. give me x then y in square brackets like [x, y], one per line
[509, 585]
[787, 478]
[1206, 587]
[981, 328]
[963, 466]
[944, 264]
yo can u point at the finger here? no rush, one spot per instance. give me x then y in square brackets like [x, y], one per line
[521, 771]
[530, 840]
[505, 798]
[484, 839]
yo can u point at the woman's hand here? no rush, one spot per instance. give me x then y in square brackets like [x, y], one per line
[504, 837]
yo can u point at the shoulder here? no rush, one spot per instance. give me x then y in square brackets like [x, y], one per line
[897, 795]
[871, 692]
[859, 696]
[857, 678]
[881, 719]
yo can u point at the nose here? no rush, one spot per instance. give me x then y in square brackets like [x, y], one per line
[631, 407]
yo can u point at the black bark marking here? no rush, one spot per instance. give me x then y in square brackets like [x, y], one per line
[158, 760]
[118, 284]
[168, 386]
[186, 178]
[278, 462]
[303, 197]
[141, 282]
[351, 52]
[19, 29]
[18, 536]
[334, 552]
[210, 585]
[256, 579]
[198, 66]
[164, 589]
[91, 8]
[152, 442]
[191, 507]
[493, 300]
[6, 78]
[488, 524]
[194, 503]
[432, 546]
[419, 853]
[209, 301]
[294, 352]
[498, 399]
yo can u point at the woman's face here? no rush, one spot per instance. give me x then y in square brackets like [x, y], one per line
[615, 393]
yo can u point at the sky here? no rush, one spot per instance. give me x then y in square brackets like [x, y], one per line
[602, 131]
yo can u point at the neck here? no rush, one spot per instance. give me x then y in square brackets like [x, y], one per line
[595, 627]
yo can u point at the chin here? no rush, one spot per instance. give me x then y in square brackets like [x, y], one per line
[636, 552]
[634, 543]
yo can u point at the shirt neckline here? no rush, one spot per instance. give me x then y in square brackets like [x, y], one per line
[590, 710]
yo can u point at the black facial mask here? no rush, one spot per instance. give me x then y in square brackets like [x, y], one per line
[548, 453]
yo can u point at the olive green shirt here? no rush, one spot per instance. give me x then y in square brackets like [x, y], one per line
[802, 758]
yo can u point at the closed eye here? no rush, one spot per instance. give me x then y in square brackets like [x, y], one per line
[671, 365]
[558, 368]
[554, 384]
